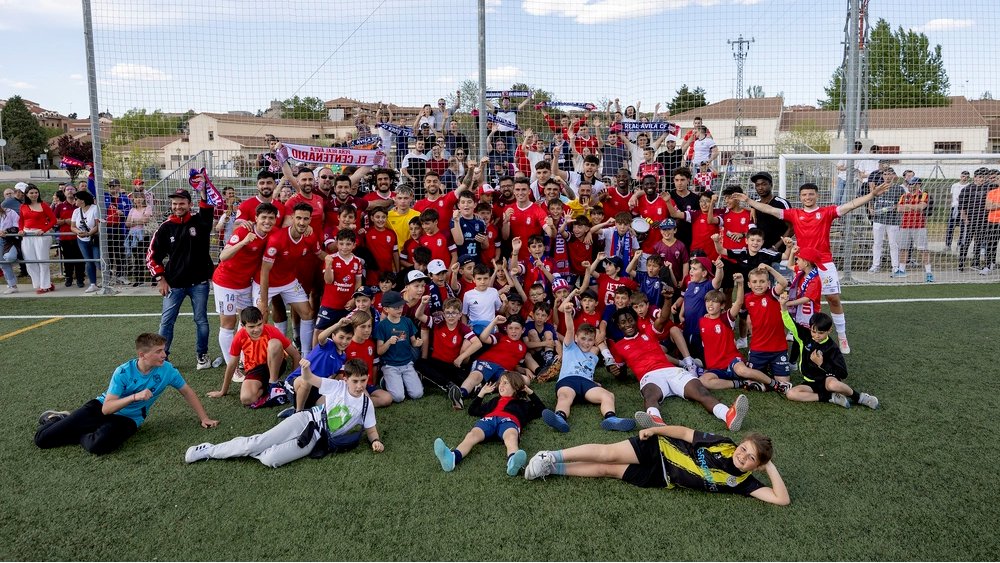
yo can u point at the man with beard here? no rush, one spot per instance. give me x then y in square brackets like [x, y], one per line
[443, 203]
[774, 228]
[616, 200]
[324, 182]
[342, 196]
[382, 195]
[522, 219]
[247, 211]
[684, 200]
[503, 197]
[590, 166]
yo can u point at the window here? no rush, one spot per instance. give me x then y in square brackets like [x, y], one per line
[315, 136]
[746, 131]
[995, 145]
[947, 147]
[329, 136]
[211, 135]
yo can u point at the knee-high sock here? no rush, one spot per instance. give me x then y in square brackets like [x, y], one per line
[840, 323]
[306, 336]
[225, 341]
[282, 326]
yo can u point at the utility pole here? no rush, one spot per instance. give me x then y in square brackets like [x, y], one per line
[741, 48]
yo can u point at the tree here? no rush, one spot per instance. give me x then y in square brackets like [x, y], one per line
[903, 72]
[756, 91]
[308, 108]
[686, 99]
[25, 136]
[77, 149]
[805, 136]
[987, 95]
[138, 123]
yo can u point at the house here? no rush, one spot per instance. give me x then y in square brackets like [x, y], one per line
[348, 108]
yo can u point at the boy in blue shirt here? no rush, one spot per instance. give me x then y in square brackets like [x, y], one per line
[692, 304]
[103, 424]
[396, 337]
[576, 377]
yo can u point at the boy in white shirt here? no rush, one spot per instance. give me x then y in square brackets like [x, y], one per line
[480, 305]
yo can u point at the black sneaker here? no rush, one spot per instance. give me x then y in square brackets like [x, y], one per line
[52, 416]
[455, 394]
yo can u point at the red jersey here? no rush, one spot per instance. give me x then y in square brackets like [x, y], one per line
[641, 353]
[735, 222]
[533, 272]
[913, 219]
[765, 317]
[579, 252]
[489, 251]
[382, 244]
[447, 343]
[255, 351]
[364, 351]
[646, 323]
[701, 233]
[653, 212]
[315, 201]
[812, 228]
[439, 245]
[345, 280]
[606, 287]
[406, 251]
[593, 319]
[525, 223]
[247, 211]
[717, 339]
[805, 285]
[650, 169]
[615, 203]
[63, 210]
[504, 352]
[444, 205]
[331, 210]
[465, 285]
[243, 267]
[290, 258]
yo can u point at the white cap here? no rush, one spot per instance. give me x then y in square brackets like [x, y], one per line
[436, 266]
[415, 275]
[21, 187]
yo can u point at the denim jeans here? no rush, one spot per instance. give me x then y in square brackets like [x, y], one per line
[90, 251]
[6, 264]
[199, 303]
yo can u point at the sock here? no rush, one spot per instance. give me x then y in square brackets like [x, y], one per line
[562, 414]
[927, 268]
[465, 393]
[559, 469]
[610, 414]
[739, 383]
[773, 384]
[653, 411]
[558, 456]
[458, 455]
[840, 323]
[720, 411]
[282, 326]
[307, 336]
[855, 396]
[225, 341]
[825, 396]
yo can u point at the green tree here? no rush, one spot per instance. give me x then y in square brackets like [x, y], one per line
[75, 148]
[308, 108]
[903, 72]
[804, 137]
[26, 138]
[756, 91]
[138, 123]
[687, 99]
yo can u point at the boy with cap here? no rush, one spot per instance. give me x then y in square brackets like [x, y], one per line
[396, 337]
[672, 250]
[608, 281]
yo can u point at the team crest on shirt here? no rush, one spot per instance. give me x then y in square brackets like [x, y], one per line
[763, 302]
[272, 251]
[718, 329]
[731, 481]
[527, 221]
[193, 231]
[371, 351]
[743, 220]
[454, 340]
[234, 239]
[818, 215]
[439, 242]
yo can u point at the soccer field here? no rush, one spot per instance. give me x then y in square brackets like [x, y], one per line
[900, 483]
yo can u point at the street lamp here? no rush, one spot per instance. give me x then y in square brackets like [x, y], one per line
[43, 164]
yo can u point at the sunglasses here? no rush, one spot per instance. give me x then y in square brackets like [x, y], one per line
[326, 177]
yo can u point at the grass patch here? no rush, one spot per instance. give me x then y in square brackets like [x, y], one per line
[890, 484]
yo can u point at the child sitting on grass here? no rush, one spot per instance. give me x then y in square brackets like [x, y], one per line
[503, 417]
[335, 425]
[504, 354]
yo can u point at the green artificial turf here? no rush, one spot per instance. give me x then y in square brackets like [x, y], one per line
[914, 480]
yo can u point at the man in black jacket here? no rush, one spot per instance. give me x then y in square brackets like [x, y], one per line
[179, 260]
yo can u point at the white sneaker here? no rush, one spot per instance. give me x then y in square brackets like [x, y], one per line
[541, 464]
[197, 453]
[845, 348]
[10, 290]
[870, 401]
[838, 399]
[203, 362]
[874, 269]
[90, 289]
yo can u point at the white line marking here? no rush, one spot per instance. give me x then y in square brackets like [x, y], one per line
[920, 300]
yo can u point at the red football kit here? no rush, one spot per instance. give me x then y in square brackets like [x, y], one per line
[504, 352]
[243, 267]
[812, 228]
[717, 340]
[290, 258]
[525, 223]
[765, 317]
[641, 353]
[345, 272]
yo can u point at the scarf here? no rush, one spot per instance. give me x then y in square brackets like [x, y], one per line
[501, 121]
[331, 155]
[622, 246]
[507, 93]
[211, 192]
[670, 128]
[801, 282]
[367, 141]
[581, 105]
[396, 129]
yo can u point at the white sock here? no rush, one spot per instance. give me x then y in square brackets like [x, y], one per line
[282, 326]
[225, 342]
[902, 267]
[653, 411]
[306, 333]
[840, 323]
[927, 268]
[720, 411]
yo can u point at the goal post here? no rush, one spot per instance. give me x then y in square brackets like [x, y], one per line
[870, 252]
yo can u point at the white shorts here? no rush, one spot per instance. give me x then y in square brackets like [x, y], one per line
[671, 381]
[917, 236]
[290, 293]
[830, 279]
[230, 301]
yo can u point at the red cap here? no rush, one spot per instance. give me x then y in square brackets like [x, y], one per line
[706, 263]
[138, 182]
[812, 255]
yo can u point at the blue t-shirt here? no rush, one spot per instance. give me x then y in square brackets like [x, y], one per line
[128, 380]
[652, 287]
[694, 305]
[325, 360]
[400, 353]
[577, 363]
[546, 328]
[470, 228]
[611, 332]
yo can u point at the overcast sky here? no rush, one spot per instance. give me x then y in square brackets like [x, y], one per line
[226, 55]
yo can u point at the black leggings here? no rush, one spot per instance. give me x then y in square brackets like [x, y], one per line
[440, 373]
[97, 432]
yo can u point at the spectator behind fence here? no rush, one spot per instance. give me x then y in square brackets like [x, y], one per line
[885, 218]
[8, 253]
[972, 209]
[138, 222]
[85, 223]
[13, 198]
[67, 238]
[37, 219]
[954, 219]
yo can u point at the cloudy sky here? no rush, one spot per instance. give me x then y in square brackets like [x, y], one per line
[237, 55]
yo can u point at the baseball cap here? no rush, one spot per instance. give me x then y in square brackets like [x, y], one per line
[913, 180]
[762, 176]
[21, 187]
[362, 292]
[114, 182]
[465, 259]
[180, 193]
[486, 189]
[668, 224]
[413, 276]
[436, 266]
[138, 182]
[705, 263]
[812, 255]
[392, 299]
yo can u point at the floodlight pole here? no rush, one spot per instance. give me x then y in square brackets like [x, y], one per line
[482, 80]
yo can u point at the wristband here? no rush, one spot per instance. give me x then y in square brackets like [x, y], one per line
[379, 440]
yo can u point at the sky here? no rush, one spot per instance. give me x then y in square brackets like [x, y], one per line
[226, 55]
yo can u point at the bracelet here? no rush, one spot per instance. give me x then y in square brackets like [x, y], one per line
[372, 442]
